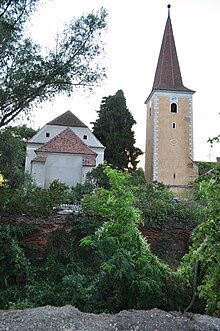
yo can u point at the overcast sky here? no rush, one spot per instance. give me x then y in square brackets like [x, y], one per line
[133, 40]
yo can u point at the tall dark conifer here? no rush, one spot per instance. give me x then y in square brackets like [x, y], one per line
[114, 129]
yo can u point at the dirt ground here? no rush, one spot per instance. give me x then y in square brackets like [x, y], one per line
[68, 318]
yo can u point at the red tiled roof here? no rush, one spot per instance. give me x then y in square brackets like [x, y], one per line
[67, 119]
[168, 74]
[66, 142]
[89, 161]
[40, 159]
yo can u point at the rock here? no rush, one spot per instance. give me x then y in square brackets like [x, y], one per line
[68, 318]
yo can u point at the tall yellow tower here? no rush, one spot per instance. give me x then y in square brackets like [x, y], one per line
[169, 135]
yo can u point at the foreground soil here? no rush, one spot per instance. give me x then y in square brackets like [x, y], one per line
[68, 318]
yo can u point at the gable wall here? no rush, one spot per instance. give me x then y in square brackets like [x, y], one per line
[54, 130]
[65, 167]
[38, 173]
[30, 155]
[40, 138]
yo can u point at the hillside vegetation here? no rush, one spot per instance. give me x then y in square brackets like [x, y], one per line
[101, 262]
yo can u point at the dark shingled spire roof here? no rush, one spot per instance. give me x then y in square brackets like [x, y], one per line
[67, 119]
[168, 75]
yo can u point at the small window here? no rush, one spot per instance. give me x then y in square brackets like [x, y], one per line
[85, 137]
[173, 107]
[174, 125]
[47, 134]
[174, 175]
[150, 111]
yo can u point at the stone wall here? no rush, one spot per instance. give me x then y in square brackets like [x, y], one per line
[169, 242]
[38, 239]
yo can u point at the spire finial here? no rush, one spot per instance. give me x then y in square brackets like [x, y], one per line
[168, 6]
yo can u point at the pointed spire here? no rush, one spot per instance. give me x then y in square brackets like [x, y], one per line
[168, 6]
[168, 74]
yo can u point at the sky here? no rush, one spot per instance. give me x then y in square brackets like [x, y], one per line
[133, 40]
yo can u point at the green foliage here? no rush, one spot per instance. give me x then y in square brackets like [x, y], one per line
[77, 192]
[59, 192]
[214, 139]
[99, 260]
[156, 203]
[114, 129]
[138, 177]
[204, 167]
[98, 178]
[27, 77]
[206, 243]
[129, 275]
[16, 272]
[31, 200]
[12, 153]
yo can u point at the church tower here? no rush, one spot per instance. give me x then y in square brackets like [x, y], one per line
[169, 135]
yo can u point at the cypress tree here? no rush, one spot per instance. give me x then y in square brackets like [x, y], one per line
[114, 129]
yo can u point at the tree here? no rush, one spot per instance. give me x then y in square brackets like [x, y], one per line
[114, 129]
[16, 272]
[27, 77]
[12, 153]
[129, 275]
[205, 246]
[214, 139]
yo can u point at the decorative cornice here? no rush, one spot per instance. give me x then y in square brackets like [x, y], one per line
[155, 140]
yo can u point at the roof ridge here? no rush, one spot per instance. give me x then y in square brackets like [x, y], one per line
[67, 119]
[66, 142]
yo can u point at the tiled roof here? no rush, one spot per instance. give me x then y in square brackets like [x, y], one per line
[67, 119]
[168, 74]
[89, 161]
[40, 159]
[66, 142]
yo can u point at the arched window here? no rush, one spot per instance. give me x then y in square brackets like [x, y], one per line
[173, 107]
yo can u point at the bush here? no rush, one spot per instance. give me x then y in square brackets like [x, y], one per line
[16, 271]
[205, 246]
[129, 274]
[31, 200]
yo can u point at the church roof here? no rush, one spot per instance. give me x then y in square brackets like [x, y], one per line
[67, 119]
[168, 75]
[39, 158]
[66, 142]
[89, 161]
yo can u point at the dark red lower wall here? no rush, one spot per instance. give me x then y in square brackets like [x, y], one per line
[170, 241]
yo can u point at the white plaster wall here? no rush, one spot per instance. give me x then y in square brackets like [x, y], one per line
[38, 173]
[65, 167]
[30, 155]
[54, 130]
[40, 138]
[100, 155]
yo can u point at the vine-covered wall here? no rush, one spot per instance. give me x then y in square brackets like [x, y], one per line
[170, 241]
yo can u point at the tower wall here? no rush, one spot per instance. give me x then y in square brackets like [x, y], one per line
[149, 141]
[169, 142]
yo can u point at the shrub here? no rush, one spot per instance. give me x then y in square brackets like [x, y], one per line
[205, 246]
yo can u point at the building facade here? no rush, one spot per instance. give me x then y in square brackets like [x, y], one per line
[64, 149]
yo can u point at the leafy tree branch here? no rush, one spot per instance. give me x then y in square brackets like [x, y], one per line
[29, 78]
